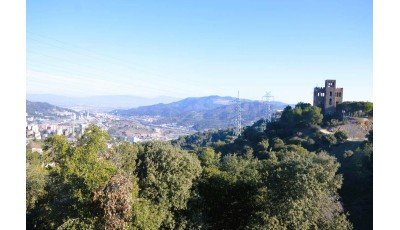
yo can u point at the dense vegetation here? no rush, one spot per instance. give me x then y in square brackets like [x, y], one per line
[298, 130]
[354, 108]
[285, 176]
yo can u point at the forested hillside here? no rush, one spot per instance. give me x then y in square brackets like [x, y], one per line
[299, 130]
[45, 109]
[288, 175]
[99, 103]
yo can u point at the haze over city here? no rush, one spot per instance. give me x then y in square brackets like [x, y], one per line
[177, 49]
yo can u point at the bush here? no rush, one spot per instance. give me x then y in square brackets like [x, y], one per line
[341, 136]
[334, 122]
[277, 144]
[354, 107]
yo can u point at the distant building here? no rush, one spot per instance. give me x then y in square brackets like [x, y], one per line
[133, 139]
[328, 97]
[35, 128]
[29, 133]
[67, 132]
[37, 136]
[59, 131]
[82, 128]
[53, 127]
[38, 150]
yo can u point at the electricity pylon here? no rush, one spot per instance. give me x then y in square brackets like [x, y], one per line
[267, 99]
[238, 128]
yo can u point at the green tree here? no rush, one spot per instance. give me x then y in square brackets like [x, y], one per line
[95, 140]
[57, 148]
[278, 144]
[302, 115]
[36, 177]
[341, 136]
[208, 157]
[166, 175]
[357, 190]
[125, 157]
[353, 107]
[72, 183]
[312, 115]
[301, 193]
[80, 223]
[325, 141]
[370, 136]
[263, 145]
[228, 194]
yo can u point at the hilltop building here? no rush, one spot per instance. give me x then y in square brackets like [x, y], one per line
[328, 97]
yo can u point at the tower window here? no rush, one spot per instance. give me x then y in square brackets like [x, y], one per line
[330, 93]
[330, 101]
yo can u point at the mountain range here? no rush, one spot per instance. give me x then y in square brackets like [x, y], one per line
[99, 103]
[201, 113]
[42, 109]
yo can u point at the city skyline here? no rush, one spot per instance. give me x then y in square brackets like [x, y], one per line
[180, 49]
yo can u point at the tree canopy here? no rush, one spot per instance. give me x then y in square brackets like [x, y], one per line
[287, 175]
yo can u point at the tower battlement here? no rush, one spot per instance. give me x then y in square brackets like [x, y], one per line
[328, 97]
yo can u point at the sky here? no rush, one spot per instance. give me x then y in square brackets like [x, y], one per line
[198, 48]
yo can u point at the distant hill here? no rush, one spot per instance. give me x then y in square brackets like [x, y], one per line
[191, 104]
[42, 109]
[99, 103]
[212, 112]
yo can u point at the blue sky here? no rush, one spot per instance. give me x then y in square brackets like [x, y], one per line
[198, 48]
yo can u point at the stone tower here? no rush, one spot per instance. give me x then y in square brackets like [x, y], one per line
[328, 97]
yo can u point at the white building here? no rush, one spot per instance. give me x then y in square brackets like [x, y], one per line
[83, 127]
[133, 139]
[35, 128]
[59, 131]
[38, 150]
[37, 136]
[53, 128]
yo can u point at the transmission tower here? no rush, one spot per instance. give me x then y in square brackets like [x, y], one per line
[238, 129]
[267, 99]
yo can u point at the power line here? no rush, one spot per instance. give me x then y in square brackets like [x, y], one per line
[94, 77]
[267, 99]
[63, 67]
[126, 64]
[154, 82]
[238, 129]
